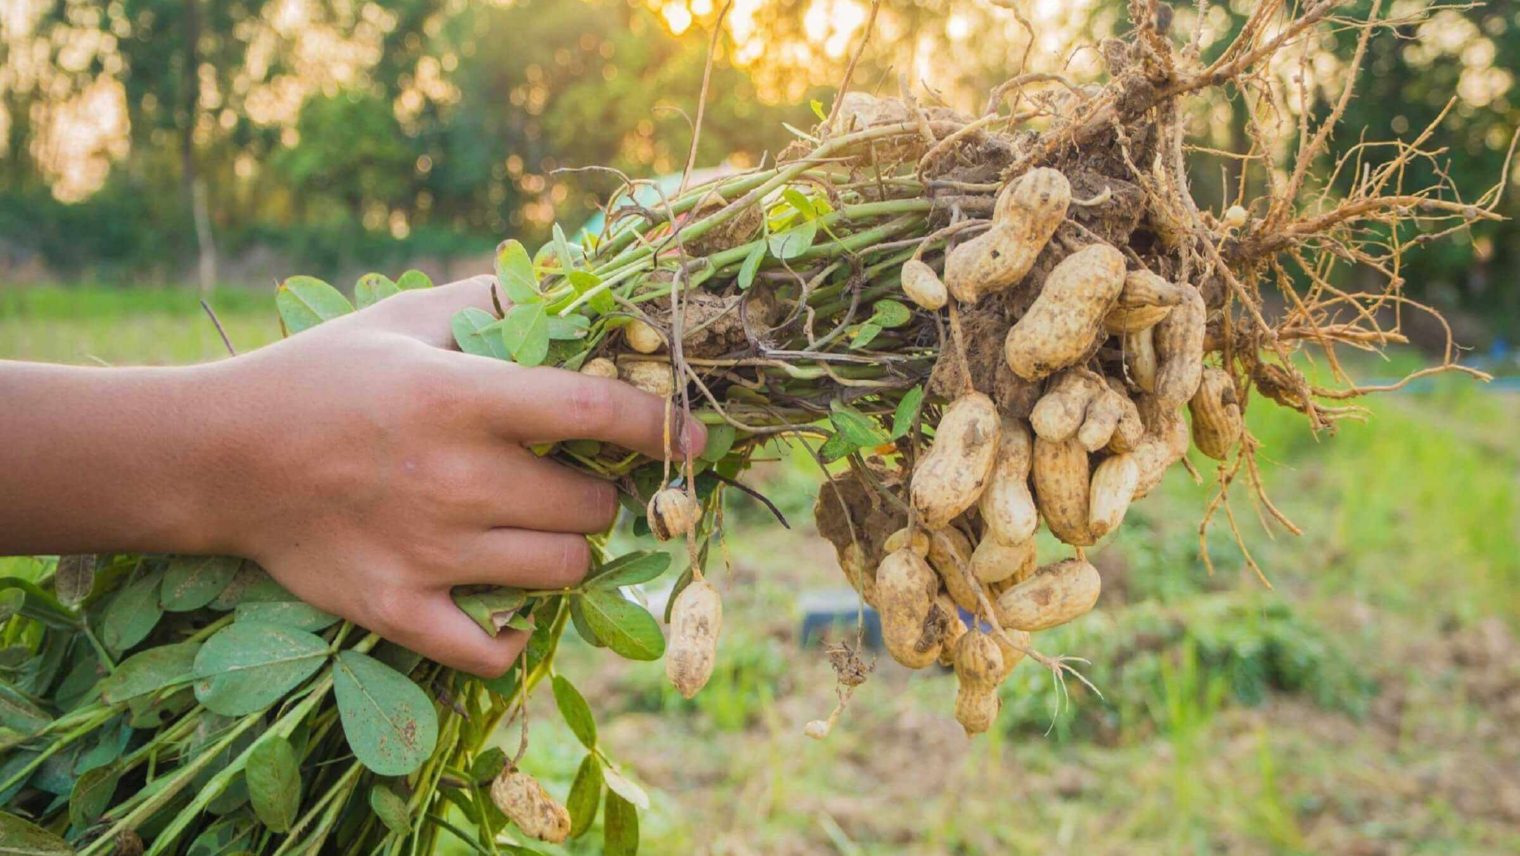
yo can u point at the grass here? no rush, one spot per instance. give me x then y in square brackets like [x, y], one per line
[1369, 702]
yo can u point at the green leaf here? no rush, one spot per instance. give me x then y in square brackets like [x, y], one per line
[798, 201]
[25, 597]
[74, 579]
[149, 671]
[751, 267]
[491, 608]
[514, 271]
[625, 788]
[585, 795]
[629, 569]
[568, 328]
[90, 797]
[191, 582]
[620, 827]
[891, 313]
[864, 334]
[576, 713]
[305, 301]
[249, 665]
[25, 838]
[854, 426]
[414, 279]
[835, 448]
[627, 628]
[817, 107]
[389, 721]
[720, 441]
[488, 764]
[525, 331]
[273, 776]
[249, 577]
[373, 288]
[390, 808]
[133, 614]
[475, 332]
[562, 249]
[19, 714]
[582, 626]
[907, 409]
[289, 613]
[793, 242]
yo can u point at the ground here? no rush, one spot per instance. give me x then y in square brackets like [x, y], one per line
[1368, 703]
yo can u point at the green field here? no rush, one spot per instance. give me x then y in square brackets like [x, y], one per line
[1369, 702]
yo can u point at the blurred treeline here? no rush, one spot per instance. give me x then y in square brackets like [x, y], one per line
[232, 139]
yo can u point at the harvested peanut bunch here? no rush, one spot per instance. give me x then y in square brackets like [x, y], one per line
[980, 324]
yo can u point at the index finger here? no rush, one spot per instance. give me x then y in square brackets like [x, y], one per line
[538, 405]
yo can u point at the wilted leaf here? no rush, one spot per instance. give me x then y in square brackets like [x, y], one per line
[624, 787]
[74, 578]
[249, 665]
[191, 582]
[491, 608]
[514, 270]
[585, 796]
[620, 826]
[149, 671]
[305, 301]
[389, 721]
[629, 569]
[273, 776]
[25, 838]
[133, 614]
[627, 628]
[576, 713]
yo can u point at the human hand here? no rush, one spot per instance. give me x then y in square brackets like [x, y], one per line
[370, 468]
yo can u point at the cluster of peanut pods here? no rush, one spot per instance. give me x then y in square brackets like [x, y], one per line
[1091, 445]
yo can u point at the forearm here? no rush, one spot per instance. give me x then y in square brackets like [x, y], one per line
[96, 460]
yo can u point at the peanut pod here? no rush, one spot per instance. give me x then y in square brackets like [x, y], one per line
[1131, 429]
[978, 669]
[1140, 358]
[905, 590]
[993, 561]
[1026, 214]
[950, 477]
[1102, 420]
[696, 620]
[1179, 349]
[1065, 321]
[1006, 505]
[530, 808]
[1060, 489]
[949, 556]
[922, 286]
[1056, 594]
[1060, 411]
[1217, 422]
[1110, 492]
